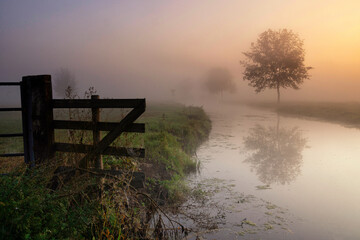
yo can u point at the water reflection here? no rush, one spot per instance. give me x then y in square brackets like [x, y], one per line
[276, 153]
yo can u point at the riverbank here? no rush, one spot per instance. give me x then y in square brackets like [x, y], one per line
[30, 209]
[344, 113]
[310, 167]
[174, 132]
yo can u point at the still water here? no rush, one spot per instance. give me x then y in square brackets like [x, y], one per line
[265, 176]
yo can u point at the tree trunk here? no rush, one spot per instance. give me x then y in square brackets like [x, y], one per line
[278, 94]
[277, 132]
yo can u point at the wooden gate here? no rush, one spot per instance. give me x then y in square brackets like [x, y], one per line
[39, 124]
[27, 140]
[101, 146]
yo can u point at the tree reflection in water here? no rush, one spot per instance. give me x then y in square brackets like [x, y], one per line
[276, 153]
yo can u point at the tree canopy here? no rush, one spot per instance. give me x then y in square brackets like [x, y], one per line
[219, 80]
[276, 60]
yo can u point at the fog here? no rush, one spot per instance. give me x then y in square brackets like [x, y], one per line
[162, 50]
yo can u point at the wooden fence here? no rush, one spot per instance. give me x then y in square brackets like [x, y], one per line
[10, 135]
[39, 126]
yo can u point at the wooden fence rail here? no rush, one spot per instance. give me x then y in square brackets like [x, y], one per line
[10, 135]
[10, 83]
[102, 126]
[100, 146]
[10, 109]
[39, 126]
[97, 103]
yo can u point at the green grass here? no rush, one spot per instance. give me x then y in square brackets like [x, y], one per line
[10, 123]
[345, 113]
[30, 210]
[183, 128]
[173, 133]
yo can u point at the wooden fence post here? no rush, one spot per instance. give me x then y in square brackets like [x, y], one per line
[36, 98]
[26, 125]
[95, 113]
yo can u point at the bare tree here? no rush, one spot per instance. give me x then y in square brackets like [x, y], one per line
[219, 80]
[276, 61]
[65, 83]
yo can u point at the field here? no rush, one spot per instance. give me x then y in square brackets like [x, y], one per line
[344, 113]
[10, 123]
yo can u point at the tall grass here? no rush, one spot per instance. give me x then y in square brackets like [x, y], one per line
[31, 209]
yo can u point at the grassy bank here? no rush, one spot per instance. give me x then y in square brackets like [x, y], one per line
[30, 209]
[344, 113]
[173, 135]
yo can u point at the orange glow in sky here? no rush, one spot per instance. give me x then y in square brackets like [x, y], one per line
[167, 41]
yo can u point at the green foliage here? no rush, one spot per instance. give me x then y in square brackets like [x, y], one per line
[164, 148]
[173, 133]
[190, 126]
[117, 220]
[276, 60]
[28, 210]
[177, 189]
[173, 138]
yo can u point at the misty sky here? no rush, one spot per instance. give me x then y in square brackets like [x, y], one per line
[146, 48]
